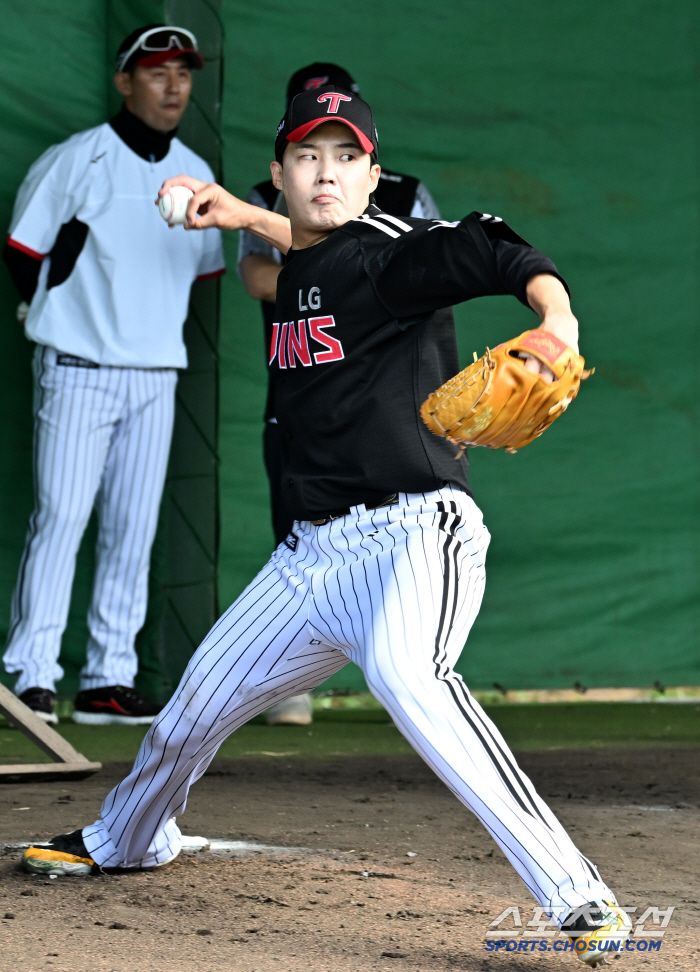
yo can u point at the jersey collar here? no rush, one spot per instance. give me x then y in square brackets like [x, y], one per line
[371, 210]
[149, 144]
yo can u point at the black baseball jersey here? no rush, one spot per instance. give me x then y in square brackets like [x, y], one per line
[363, 333]
[396, 193]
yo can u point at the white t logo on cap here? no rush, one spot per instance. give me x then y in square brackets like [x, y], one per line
[334, 98]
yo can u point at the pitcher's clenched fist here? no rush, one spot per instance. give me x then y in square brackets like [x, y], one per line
[212, 206]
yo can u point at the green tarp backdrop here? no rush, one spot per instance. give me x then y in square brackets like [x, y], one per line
[577, 122]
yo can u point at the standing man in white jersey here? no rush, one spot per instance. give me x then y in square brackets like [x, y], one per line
[259, 264]
[385, 562]
[108, 284]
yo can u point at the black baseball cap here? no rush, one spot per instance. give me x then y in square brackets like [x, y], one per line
[312, 108]
[155, 44]
[316, 75]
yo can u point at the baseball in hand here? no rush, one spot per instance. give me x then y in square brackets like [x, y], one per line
[173, 205]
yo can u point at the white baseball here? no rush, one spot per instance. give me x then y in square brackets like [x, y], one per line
[173, 205]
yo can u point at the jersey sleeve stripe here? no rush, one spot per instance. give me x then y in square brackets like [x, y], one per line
[210, 276]
[397, 222]
[380, 226]
[24, 249]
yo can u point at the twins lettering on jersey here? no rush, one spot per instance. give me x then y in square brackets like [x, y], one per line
[290, 343]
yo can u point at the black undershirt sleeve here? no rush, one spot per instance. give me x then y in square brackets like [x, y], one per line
[445, 265]
[23, 269]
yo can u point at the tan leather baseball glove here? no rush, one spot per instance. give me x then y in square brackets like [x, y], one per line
[497, 402]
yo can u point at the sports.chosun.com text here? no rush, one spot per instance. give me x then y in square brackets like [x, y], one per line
[640, 933]
[572, 945]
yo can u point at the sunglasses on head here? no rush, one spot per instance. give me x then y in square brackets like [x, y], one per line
[157, 40]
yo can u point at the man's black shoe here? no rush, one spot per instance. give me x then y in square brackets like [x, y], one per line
[42, 702]
[115, 705]
[597, 928]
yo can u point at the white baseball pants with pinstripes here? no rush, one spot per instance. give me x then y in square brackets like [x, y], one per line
[101, 439]
[395, 590]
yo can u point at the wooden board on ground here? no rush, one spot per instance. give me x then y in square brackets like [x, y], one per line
[67, 761]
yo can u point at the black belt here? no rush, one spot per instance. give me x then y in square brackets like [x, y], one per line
[389, 500]
[72, 361]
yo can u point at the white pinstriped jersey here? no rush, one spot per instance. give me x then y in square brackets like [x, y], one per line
[126, 299]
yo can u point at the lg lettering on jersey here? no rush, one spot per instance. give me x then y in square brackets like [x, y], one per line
[314, 299]
[333, 98]
[291, 344]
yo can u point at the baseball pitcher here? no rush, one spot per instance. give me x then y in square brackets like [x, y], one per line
[384, 564]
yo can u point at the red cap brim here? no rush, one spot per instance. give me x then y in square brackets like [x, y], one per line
[303, 130]
[160, 57]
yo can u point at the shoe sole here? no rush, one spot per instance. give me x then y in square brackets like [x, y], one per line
[49, 717]
[104, 719]
[38, 861]
[71, 869]
[616, 930]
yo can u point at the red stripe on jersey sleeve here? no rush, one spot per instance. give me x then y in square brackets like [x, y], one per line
[24, 249]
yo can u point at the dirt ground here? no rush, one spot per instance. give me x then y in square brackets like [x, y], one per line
[352, 899]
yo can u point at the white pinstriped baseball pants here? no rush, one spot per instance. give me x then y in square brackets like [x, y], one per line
[395, 590]
[101, 439]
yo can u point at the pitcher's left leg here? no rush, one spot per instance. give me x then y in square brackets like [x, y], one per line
[261, 650]
[410, 592]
